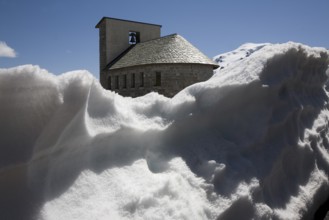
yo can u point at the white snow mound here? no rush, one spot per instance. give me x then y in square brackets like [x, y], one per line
[252, 142]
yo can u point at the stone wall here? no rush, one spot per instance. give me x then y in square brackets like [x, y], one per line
[174, 78]
[103, 60]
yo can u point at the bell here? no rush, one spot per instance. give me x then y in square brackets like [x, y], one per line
[132, 38]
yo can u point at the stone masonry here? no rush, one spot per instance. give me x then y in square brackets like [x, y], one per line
[174, 77]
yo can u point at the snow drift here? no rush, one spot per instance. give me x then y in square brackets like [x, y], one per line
[250, 143]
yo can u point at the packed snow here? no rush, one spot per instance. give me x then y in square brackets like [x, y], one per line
[252, 142]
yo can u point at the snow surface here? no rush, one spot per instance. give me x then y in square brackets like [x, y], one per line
[250, 143]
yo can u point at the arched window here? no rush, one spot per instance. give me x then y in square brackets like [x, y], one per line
[141, 79]
[116, 82]
[109, 83]
[124, 85]
[133, 80]
[157, 78]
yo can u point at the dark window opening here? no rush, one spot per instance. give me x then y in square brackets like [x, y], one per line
[109, 83]
[133, 80]
[157, 78]
[117, 82]
[133, 37]
[141, 79]
[124, 84]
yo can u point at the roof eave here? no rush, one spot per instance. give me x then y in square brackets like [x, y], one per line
[109, 67]
[103, 18]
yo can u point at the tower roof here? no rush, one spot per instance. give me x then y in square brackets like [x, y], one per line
[169, 49]
[117, 19]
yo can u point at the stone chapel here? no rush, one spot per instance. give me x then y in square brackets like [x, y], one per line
[136, 60]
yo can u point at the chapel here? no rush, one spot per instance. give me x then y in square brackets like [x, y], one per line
[136, 60]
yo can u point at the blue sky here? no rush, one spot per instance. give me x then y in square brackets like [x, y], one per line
[60, 35]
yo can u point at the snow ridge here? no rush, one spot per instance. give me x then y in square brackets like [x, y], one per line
[250, 143]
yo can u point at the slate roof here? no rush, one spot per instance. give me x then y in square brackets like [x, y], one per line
[169, 49]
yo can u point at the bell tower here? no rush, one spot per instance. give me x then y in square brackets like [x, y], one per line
[117, 35]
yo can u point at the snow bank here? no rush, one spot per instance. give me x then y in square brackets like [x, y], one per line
[251, 142]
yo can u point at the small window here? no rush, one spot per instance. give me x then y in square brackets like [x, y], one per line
[157, 78]
[124, 84]
[133, 37]
[141, 79]
[109, 83]
[117, 82]
[133, 80]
